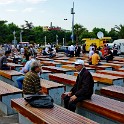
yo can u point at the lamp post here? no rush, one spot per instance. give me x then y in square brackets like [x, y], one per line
[56, 39]
[21, 35]
[65, 31]
[72, 12]
[14, 37]
[45, 40]
[63, 41]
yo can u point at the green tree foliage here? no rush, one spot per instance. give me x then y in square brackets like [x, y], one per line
[120, 30]
[113, 34]
[28, 33]
[37, 35]
[96, 30]
[78, 29]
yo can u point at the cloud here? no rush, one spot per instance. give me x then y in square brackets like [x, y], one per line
[6, 1]
[11, 10]
[28, 9]
[35, 1]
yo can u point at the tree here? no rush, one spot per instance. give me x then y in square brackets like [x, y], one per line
[96, 30]
[113, 34]
[78, 29]
[38, 33]
[120, 30]
[28, 33]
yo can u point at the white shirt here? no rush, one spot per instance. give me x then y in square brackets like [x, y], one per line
[27, 66]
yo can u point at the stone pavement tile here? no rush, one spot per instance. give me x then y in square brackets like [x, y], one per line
[12, 119]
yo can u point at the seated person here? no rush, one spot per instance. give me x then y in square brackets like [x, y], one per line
[95, 58]
[3, 61]
[109, 56]
[24, 70]
[83, 88]
[52, 52]
[31, 83]
[46, 51]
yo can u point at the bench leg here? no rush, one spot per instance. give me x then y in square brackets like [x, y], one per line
[94, 116]
[45, 76]
[70, 73]
[23, 120]
[5, 103]
[56, 94]
[118, 82]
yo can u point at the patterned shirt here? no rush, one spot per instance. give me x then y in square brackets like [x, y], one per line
[31, 83]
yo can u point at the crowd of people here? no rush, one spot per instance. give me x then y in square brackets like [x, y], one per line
[30, 82]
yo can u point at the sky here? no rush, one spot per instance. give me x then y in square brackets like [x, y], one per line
[89, 13]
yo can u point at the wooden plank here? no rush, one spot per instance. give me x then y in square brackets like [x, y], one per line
[105, 106]
[113, 73]
[113, 91]
[115, 66]
[9, 73]
[47, 85]
[56, 115]
[63, 78]
[64, 62]
[108, 79]
[121, 69]
[6, 89]
[56, 69]
[98, 67]
[49, 63]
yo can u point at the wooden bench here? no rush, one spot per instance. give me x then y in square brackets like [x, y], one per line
[115, 66]
[64, 62]
[116, 62]
[58, 70]
[56, 115]
[54, 89]
[105, 80]
[44, 59]
[8, 92]
[116, 92]
[45, 74]
[10, 76]
[62, 58]
[121, 69]
[113, 73]
[9, 60]
[72, 67]
[118, 58]
[68, 80]
[49, 63]
[15, 66]
[109, 79]
[102, 110]
[99, 67]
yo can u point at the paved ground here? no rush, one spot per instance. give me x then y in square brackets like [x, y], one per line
[12, 119]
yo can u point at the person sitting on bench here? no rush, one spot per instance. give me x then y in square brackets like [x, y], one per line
[3, 61]
[83, 88]
[31, 82]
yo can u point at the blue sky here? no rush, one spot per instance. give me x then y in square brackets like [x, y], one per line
[89, 13]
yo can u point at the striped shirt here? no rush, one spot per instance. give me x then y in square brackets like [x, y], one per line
[31, 83]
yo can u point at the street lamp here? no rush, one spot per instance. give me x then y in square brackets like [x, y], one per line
[45, 40]
[65, 31]
[21, 35]
[72, 12]
[14, 37]
[63, 41]
[56, 39]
